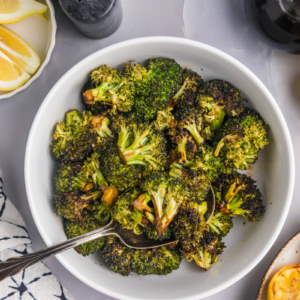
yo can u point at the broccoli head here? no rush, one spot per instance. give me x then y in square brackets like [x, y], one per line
[188, 227]
[64, 174]
[220, 223]
[167, 194]
[123, 260]
[71, 205]
[208, 253]
[187, 93]
[112, 88]
[237, 194]
[101, 212]
[100, 124]
[74, 228]
[73, 139]
[139, 144]
[165, 119]
[119, 175]
[155, 86]
[151, 233]
[196, 181]
[185, 146]
[122, 211]
[208, 163]
[219, 98]
[240, 139]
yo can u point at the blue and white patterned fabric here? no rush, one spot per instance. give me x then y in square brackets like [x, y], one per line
[34, 283]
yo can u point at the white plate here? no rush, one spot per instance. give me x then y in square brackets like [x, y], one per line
[246, 244]
[40, 34]
[288, 255]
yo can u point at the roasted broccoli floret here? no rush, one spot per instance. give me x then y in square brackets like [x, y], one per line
[167, 194]
[112, 88]
[240, 139]
[64, 174]
[219, 98]
[220, 223]
[152, 233]
[71, 205]
[139, 144]
[73, 139]
[197, 182]
[165, 119]
[208, 163]
[122, 211]
[73, 229]
[208, 252]
[100, 211]
[117, 174]
[185, 147]
[187, 93]
[237, 194]
[123, 260]
[154, 85]
[101, 125]
[188, 227]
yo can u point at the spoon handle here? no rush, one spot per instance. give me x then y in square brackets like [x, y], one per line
[14, 265]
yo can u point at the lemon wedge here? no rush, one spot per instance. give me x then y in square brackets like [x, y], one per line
[285, 284]
[12, 11]
[18, 50]
[11, 75]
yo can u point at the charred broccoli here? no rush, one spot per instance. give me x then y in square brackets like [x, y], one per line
[71, 205]
[122, 211]
[165, 119]
[139, 144]
[240, 139]
[220, 224]
[209, 251]
[219, 98]
[119, 175]
[73, 229]
[197, 182]
[167, 194]
[112, 88]
[188, 227]
[123, 260]
[73, 139]
[237, 194]
[187, 93]
[154, 85]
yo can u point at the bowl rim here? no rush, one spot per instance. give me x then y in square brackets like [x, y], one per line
[239, 66]
[47, 59]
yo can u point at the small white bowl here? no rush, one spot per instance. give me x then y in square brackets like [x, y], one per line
[246, 244]
[288, 255]
[40, 34]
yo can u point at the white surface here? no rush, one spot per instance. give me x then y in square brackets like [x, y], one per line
[40, 34]
[289, 255]
[219, 23]
[246, 245]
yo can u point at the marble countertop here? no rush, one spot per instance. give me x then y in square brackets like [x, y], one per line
[219, 23]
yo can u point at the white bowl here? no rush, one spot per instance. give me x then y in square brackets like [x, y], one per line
[246, 244]
[40, 34]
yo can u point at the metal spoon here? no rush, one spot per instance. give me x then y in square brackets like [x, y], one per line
[14, 265]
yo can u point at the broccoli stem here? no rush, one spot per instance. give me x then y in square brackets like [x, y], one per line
[83, 185]
[138, 218]
[182, 151]
[251, 158]
[169, 214]
[217, 123]
[204, 259]
[98, 93]
[232, 191]
[202, 208]
[158, 202]
[227, 138]
[192, 128]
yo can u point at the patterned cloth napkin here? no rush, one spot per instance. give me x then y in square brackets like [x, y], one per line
[34, 283]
